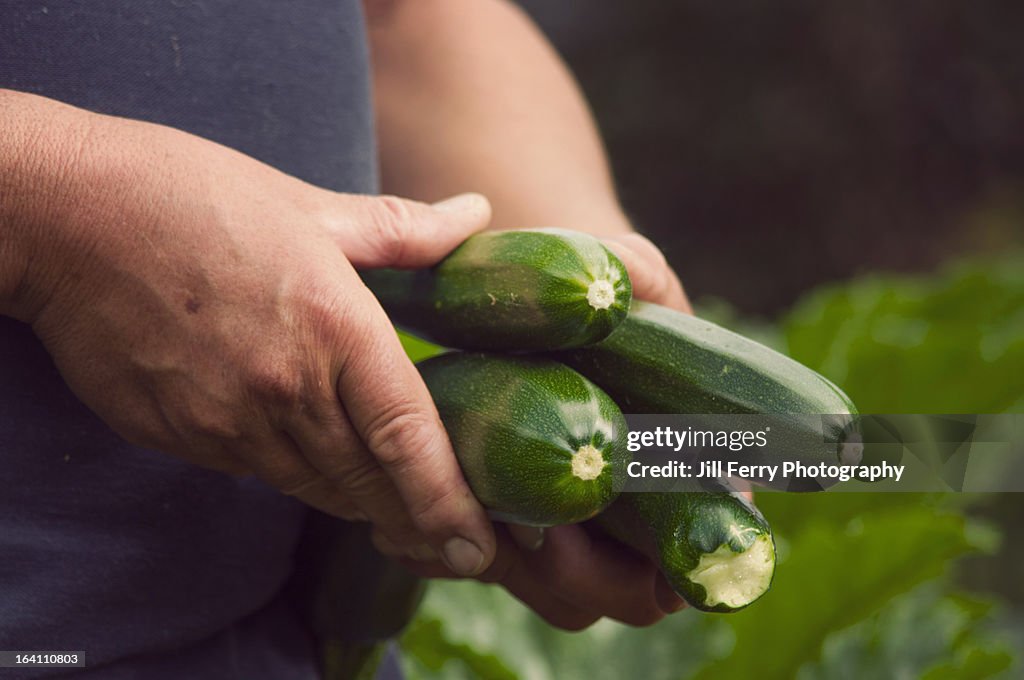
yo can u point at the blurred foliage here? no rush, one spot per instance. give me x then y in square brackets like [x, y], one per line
[863, 587]
[941, 626]
[949, 344]
[772, 146]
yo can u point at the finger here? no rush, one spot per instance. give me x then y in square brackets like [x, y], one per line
[392, 411]
[276, 460]
[527, 538]
[576, 579]
[419, 552]
[649, 272]
[668, 600]
[328, 442]
[511, 572]
[596, 574]
[387, 231]
[743, 486]
[323, 496]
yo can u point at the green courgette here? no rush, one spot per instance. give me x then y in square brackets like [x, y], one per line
[538, 289]
[538, 443]
[714, 547]
[662, 361]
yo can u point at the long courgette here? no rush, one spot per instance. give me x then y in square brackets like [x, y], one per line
[662, 361]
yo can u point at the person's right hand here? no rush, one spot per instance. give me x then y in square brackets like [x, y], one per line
[206, 305]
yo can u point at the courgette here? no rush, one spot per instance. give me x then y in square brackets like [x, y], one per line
[714, 547]
[538, 289]
[662, 361]
[538, 443]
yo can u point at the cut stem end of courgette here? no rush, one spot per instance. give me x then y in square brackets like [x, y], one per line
[601, 294]
[587, 462]
[735, 579]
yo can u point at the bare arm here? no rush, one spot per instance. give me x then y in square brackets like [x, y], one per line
[469, 94]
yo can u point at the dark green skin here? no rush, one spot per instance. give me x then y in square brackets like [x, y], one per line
[662, 361]
[508, 291]
[674, 529]
[515, 423]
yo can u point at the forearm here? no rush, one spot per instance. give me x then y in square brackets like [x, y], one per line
[470, 96]
[41, 139]
[65, 174]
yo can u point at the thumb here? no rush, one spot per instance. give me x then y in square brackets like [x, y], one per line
[387, 231]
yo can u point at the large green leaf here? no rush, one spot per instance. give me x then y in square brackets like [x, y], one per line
[949, 344]
[429, 650]
[922, 633]
[831, 576]
[488, 621]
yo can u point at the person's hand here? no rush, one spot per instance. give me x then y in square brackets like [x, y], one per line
[571, 578]
[652, 278]
[206, 305]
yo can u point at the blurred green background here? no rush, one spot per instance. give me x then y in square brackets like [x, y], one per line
[845, 182]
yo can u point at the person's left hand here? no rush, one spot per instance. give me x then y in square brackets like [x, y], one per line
[572, 579]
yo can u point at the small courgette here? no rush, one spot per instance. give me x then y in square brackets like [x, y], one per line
[714, 547]
[538, 443]
[532, 289]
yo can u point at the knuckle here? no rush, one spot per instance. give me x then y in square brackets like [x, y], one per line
[326, 310]
[400, 434]
[215, 424]
[362, 480]
[273, 381]
[436, 510]
[388, 227]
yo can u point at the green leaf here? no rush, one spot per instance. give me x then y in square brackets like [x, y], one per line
[970, 664]
[486, 619]
[918, 633]
[946, 344]
[832, 576]
[425, 642]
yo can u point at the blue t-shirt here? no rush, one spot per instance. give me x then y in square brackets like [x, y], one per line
[152, 567]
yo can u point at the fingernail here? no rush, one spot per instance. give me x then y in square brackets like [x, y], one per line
[528, 538]
[462, 203]
[462, 557]
[422, 553]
